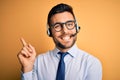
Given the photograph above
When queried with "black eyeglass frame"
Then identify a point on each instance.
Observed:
(61, 25)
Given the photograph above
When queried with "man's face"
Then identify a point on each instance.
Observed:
(63, 39)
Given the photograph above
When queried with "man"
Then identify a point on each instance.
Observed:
(66, 61)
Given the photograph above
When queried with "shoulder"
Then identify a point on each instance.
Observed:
(88, 58)
(43, 55)
(93, 62)
(42, 58)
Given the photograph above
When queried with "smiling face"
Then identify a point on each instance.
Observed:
(63, 39)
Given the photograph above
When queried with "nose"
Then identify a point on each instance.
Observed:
(65, 30)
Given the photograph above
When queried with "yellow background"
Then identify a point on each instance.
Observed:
(99, 34)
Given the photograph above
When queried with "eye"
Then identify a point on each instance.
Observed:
(56, 26)
(70, 24)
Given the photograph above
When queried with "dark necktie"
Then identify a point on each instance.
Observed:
(61, 67)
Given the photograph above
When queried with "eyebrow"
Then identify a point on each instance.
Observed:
(62, 22)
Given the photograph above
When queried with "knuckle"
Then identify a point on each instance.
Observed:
(22, 51)
(24, 48)
(33, 47)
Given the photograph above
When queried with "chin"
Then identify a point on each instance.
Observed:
(65, 46)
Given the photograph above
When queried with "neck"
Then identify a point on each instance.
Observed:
(63, 49)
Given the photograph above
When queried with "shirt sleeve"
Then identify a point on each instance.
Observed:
(26, 76)
(29, 75)
(94, 70)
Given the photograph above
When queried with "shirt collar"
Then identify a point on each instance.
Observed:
(72, 51)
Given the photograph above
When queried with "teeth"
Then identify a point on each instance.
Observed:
(66, 38)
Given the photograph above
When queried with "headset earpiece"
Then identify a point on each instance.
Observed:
(49, 32)
(77, 27)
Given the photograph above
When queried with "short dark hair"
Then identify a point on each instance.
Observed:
(59, 9)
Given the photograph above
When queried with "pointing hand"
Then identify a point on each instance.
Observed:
(27, 56)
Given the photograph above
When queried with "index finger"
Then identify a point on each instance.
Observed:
(23, 42)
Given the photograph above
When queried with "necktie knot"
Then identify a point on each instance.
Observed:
(62, 54)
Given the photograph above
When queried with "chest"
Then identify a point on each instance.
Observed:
(74, 69)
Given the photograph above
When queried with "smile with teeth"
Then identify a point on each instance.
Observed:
(66, 38)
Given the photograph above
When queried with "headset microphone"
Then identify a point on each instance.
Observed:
(76, 32)
(73, 35)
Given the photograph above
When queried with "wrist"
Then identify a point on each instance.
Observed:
(26, 69)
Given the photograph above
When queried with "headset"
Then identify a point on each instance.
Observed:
(49, 33)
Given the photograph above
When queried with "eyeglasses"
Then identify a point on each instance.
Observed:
(59, 26)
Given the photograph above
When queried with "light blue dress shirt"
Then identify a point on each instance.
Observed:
(79, 65)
